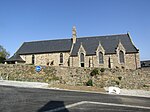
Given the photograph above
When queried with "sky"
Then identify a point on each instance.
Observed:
(34, 20)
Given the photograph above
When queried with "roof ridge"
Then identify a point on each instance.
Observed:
(78, 37)
(104, 35)
(47, 40)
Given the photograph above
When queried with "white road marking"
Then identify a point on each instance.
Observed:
(98, 103)
(119, 105)
(68, 106)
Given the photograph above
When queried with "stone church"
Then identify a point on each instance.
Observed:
(111, 51)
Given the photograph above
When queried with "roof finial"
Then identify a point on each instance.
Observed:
(119, 41)
(99, 43)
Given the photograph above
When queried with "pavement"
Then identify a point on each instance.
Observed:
(24, 84)
(140, 93)
(22, 99)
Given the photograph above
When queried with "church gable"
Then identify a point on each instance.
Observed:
(100, 48)
(109, 43)
(81, 49)
(120, 47)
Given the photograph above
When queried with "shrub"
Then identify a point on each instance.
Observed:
(94, 72)
(89, 83)
(145, 85)
(2, 59)
(117, 82)
(102, 70)
(120, 78)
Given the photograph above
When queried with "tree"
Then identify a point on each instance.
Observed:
(3, 54)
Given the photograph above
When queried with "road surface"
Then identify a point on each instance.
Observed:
(17, 99)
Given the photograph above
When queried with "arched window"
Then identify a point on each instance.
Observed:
(82, 59)
(121, 56)
(101, 60)
(61, 57)
(33, 59)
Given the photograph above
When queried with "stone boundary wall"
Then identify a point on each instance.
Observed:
(129, 79)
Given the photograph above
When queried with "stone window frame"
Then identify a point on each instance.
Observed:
(82, 58)
(121, 57)
(82, 62)
(101, 59)
(100, 49)
(120, 48)
(81, 50)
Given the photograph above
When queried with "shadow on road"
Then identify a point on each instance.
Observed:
(59, 105)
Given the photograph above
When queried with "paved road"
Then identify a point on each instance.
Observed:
(15, 99)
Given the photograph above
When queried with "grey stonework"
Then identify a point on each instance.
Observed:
(124, 78)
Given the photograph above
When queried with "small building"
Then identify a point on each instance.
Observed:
(111, 51)
(15, 59)
(145, 63)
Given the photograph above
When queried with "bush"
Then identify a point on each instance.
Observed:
(94, 72)
(2, 60)
(117, 82)
(145, 85)
(102, 70)
(89, 83)
(120, 78)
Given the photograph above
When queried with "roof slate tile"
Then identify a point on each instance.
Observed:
(90, 44)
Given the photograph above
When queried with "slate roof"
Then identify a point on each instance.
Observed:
(15, 57)
(109, 43)
(90, 44)
(49, 46)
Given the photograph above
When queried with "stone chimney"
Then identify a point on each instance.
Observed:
(74, 35)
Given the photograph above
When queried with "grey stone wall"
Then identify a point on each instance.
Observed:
(132, 61)
(47, 58)
(130, 79)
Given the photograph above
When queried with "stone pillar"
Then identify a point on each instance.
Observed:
(74, 34)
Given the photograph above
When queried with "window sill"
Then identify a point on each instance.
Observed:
(101, 63)
(121, 63)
